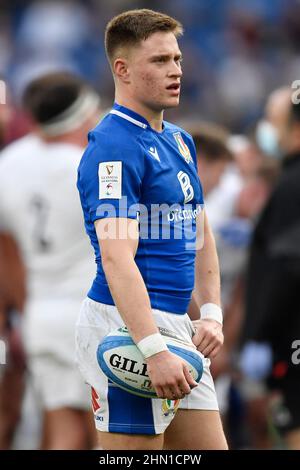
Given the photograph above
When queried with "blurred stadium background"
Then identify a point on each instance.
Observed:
(235, 52)
(235, 55)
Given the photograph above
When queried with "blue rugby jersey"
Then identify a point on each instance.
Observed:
(130, 170)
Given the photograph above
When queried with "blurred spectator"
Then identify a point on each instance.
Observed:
(233, 245)
(213, 154)
(13, 121)
(39, 208)
(233, 227)
(213, 157)
(246, 155)
(12, 299)
(13, 124)
(272, 302)
(256, 191)
(270, 128)
(235, 52)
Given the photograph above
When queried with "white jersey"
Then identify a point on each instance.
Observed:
(39, 205)
(220, 202)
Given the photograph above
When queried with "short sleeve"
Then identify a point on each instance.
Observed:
(110, 177)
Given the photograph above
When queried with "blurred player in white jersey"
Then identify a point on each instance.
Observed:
(39, 207)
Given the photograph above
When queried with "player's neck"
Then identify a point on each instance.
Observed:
(155, 118)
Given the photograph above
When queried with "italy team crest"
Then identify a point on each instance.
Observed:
(182, 147)
(170, 406)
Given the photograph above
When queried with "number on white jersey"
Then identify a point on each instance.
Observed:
(40, 208)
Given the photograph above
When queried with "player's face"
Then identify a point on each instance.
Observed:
(155, 72)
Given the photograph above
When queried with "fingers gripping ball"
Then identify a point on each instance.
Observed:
(122, 362)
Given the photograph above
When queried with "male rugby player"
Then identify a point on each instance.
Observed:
(134, 163)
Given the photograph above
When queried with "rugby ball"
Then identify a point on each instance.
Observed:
(123, 363)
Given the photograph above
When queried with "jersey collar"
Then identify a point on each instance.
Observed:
(130, 115)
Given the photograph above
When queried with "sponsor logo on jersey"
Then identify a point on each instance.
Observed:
(169, 406)
(110, 180)
(109, 189)
(177, 215)
(182, 147)
(154, 153)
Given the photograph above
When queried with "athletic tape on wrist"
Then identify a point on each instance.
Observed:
(211, 311)
(151, 345)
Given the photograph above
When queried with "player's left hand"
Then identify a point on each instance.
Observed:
(208, 337)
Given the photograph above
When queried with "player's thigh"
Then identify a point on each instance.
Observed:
(292, 439)
(195, 429)
(118, 441)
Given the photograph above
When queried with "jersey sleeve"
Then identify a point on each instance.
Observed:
(110, 177)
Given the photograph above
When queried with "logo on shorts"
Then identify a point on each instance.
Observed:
(123, 329)
(95, 400)
(169, 406)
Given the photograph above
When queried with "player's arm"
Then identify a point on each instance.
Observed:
(168, 373)
(123, 276)
(206, 295)
(12, 273)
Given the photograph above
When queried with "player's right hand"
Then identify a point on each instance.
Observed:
(169, 376)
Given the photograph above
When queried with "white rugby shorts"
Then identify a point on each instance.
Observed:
(116, 410)
(48, 333)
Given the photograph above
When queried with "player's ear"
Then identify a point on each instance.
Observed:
(121, 69)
